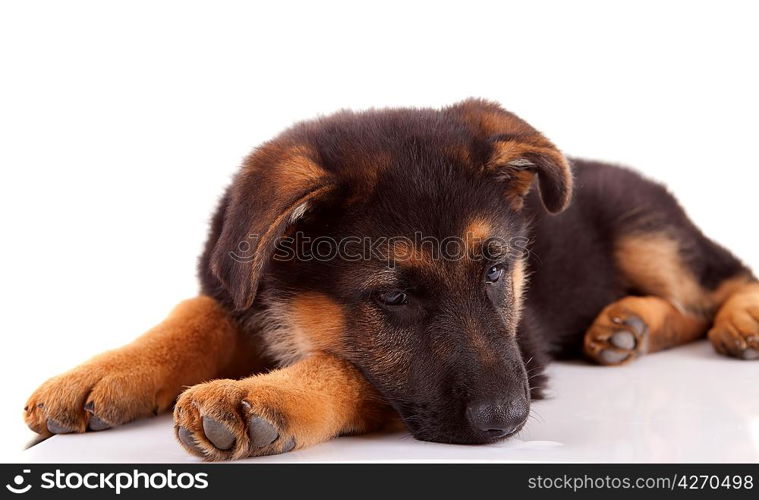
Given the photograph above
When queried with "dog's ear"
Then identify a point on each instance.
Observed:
(517, 163)
(276, 186)
(516, 153)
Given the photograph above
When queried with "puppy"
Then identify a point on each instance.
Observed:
(371, 265)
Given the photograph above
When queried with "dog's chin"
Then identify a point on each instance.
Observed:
(456, 434)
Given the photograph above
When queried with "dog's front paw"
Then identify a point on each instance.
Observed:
(230, 419)
(736, 330)
(94, 396)
(617, 336)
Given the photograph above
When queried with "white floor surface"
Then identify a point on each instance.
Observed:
(684, 405)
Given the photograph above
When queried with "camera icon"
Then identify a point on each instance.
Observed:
(18, 481)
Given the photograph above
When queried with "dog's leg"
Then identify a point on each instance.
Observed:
(634, 326)
(311, 401)
(197, 342)
(685, 280)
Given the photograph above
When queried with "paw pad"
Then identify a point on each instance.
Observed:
(218, 434)
(261, 432)
(218, 421)
(617, 340)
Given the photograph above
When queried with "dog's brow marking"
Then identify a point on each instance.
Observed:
(477, 231)
(476, 237)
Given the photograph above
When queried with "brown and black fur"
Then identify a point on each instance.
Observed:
(607, 266)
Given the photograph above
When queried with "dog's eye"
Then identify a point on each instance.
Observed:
(494, 274)
(393, 298)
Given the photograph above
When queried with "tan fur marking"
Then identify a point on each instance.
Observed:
(298, 169)
(319, 320)
(476, 234)
(668, 327)
(518, 282)
(294, 329)
(478, 230)
(652, 264)
(198, 341)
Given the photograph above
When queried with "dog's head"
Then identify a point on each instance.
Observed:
(396, 239)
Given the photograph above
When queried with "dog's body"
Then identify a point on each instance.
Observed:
(453, 343)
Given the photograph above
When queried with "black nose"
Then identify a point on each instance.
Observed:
(498, 418)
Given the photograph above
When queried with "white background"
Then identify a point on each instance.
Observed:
(120, 124)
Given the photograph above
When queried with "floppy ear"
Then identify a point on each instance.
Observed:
(518, 163)
(517, 153)
(275, 187)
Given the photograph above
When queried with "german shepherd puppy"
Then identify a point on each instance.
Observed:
(307, 328)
